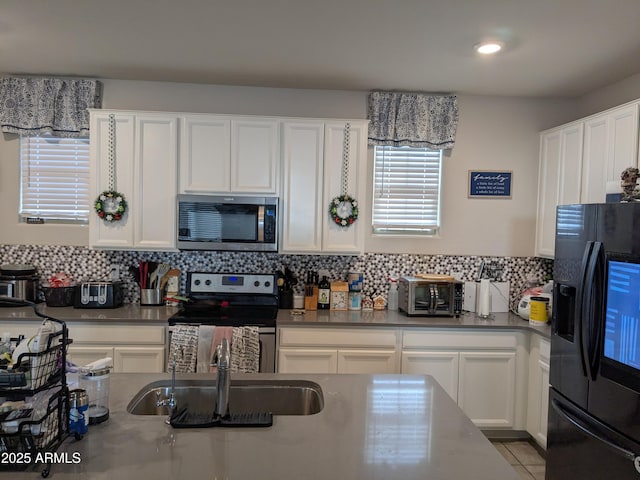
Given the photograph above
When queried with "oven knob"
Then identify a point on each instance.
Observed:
(267, 284)
(256, 283)
(207, 283)
(196, 282)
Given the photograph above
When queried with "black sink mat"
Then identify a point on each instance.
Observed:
(186, 419)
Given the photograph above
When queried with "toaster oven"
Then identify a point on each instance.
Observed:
(430, 298)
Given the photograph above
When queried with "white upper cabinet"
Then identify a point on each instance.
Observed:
(578, 161)
(558, 181)
(224, 154)
(312, 176)
(205, 146)
(254, 155)
(145, 173)
(337, 239)
(610, 146)
(302, 174)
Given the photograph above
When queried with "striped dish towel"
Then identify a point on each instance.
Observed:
(184, 346)
(245, 350)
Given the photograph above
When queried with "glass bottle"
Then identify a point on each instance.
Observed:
(324, 293)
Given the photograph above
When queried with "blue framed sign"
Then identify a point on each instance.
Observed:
(490, 184)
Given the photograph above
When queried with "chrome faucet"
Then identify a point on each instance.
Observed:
(222, 360)
(171, 401)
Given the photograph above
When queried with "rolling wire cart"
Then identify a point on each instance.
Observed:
(30, 436)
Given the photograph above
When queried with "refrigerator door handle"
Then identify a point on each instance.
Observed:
(581, 306)
(591, 429)
(589, 319)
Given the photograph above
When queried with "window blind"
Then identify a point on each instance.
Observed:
(55, 178)
(406, 190)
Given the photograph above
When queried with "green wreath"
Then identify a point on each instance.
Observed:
(343, 210)
(110, 206)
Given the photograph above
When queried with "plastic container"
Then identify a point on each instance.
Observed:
(538, 310)
(96, 384)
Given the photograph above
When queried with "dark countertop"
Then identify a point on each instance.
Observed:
(286, 318)
(371, 426)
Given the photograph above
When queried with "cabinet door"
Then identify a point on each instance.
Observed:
(205, 154)
(623, 144)
(594, 169)
(570, 164)
(307, 360)
(335, 238)
(139, 359)
(84, 355)
(548, 176)
(441, 365)
(486, 388)
(254, 156)
(559, 180)
(367, 361)
(112, 234)
(154, 205)
(541, 433)
(302, 207)
(610, 146)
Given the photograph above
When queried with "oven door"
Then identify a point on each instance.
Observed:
(435, 299)
(267, 338)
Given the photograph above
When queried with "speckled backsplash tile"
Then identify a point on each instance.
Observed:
(85, 264)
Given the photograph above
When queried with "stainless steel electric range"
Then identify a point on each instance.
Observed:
(233, 299)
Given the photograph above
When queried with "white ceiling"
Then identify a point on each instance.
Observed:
(554, 47)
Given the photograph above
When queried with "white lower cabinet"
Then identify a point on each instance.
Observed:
(134, 348)
(538, 398)
(307, 360)
(484, 372)
(335, 350)
(130, 359)
(441, 365)
(487, 387)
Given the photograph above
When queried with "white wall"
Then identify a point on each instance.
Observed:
(610, 96)
(494, 133)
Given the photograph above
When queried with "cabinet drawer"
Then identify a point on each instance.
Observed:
(338, 337)
(475, 339)
(117, 334)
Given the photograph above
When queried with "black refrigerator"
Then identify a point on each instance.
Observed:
(594, 396)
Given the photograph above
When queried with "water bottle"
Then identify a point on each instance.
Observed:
(392, 297)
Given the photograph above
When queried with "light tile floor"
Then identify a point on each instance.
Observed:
(523, 457)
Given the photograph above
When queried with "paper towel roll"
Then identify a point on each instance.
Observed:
(484, 299)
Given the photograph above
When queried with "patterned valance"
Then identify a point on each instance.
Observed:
(412, 119)
(33, 106)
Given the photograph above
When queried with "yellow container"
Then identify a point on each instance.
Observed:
(539, 310)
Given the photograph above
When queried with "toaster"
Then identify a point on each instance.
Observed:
(98, 294)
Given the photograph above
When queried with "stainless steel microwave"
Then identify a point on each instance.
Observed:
(227, 222)
(430, 298)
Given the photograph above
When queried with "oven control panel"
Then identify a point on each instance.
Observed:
(253, 283)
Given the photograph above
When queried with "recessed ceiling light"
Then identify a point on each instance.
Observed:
(487, 48)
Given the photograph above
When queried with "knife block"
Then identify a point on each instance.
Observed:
(311, 298)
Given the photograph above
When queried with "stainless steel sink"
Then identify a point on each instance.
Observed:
(279, 397)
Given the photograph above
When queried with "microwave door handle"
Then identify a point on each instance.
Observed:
(260, 224)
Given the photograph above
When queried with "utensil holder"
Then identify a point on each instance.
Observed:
(151, 296)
